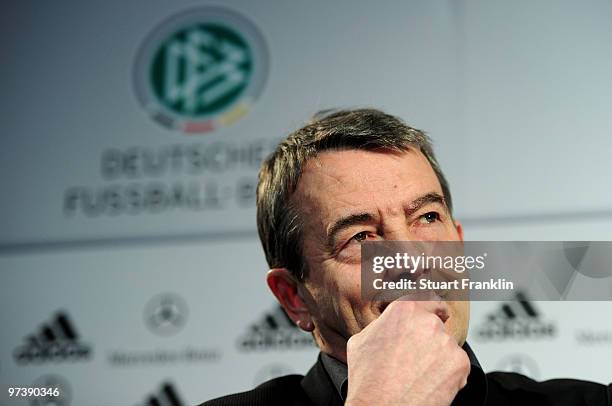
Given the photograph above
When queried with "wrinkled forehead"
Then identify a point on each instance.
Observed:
(339, 180)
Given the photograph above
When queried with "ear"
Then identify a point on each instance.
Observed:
(285, 287)
(459, 229)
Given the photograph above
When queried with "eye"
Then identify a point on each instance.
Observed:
(360, 237)
(430, 217)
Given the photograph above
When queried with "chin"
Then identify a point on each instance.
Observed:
(460, 321)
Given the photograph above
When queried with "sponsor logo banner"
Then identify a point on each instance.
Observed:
(515, 320)
(54, 341)
(166, 395)
(274, 331)
(64, 391)
(165, 315)
(521, 364)
(201, 69)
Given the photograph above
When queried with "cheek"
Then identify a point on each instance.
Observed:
(353, 309)
(461, 317)
(436, 231)
(342, 290)
(328, 295)
(347, 283)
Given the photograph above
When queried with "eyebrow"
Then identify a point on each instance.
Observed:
(362, 218)
(346, 222)
(429, 198)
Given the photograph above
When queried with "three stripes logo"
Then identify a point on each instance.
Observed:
(55, 341)
(275, 330)
(165, 396)
(518, 319)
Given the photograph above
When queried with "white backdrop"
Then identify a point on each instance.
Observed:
(516, 96)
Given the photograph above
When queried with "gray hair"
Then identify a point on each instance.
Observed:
(278, 219)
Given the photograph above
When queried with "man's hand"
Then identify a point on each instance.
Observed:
(405, 357)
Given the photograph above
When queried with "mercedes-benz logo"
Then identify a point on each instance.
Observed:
(64, 392)
(166, 314)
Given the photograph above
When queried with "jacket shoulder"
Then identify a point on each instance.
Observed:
(513, 387)
(285, 390)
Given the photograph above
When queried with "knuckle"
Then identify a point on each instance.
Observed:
(466, 362)
(463, 361)
(352, 343)
(402, 306)
(408, 305)
(432, 322)
(449, 341)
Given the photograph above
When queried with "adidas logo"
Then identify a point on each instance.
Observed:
(275, 330)
(165, 396)
(55, 341)
(518, 319)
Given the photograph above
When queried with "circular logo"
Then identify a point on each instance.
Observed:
(64, 393)
(201, 69)
(521, 364)
(165, 314)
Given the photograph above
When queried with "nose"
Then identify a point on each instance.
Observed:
(409, 260)
(398, 230)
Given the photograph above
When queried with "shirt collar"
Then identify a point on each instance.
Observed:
(338, 372)
(474, 393)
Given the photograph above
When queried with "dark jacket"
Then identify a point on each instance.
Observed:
(496, 388)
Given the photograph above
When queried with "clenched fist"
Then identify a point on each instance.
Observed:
(405, 357)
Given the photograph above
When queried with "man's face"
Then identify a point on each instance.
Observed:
(350, 196)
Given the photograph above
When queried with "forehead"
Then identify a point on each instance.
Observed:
(337, 181)
(361, 170)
